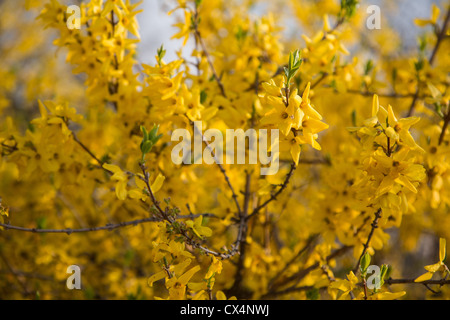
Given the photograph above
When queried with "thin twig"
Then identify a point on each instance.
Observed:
(224, 173)
(293, 259)
(444, 127)
(298, 276)
(366, 245)
(412, 281)
(85, 148)
(200, 41)
(276, 194)
(382, 95)
(239, 244)
(69, 231)
(16, 274)
(108, 227)
(440, 38)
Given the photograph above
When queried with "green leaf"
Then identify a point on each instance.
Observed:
(294, 64)
(384, 271)
(41, 223)
(419, 65)
(368, 67)
(365, 262)
(348, 8)
(153, 132)
(313, 294)
(145, 133)
(203, 96)
(354, 118)
(241, 34)
(146, 147)
(394, 75)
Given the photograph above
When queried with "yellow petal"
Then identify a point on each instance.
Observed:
(390, 295)
(442, 249)
(135, 194)
(208, 113)
(205, 231)
(371, 122)
(421, 22)
(434, 13)
(121, 190)
(326, 23)
(179, 268)
(271, 88)
(404, 181)
(385, 186)
(220, 295)
(433, 267)
(111, 167)
(305, 96)
(390, 132)
(139, 182)
(157, 276)
(295, 152)
(375, 105)
(435, 93)
(391, 116)
(157, 184)
(188, 275)
(424, 277)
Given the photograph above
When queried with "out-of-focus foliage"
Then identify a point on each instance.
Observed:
(85, 142)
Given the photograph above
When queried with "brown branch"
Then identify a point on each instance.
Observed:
(382, 95)
(412, 281)
(440, 38)
(240, 244)
(285, 291)
(108, 227)
(16, 275)
(290, 262)
(299, 275)
(69, 231)
(366, 245)
(113, 88)
(340, 21)
(413, 102)
(199, 40)
(444, 128)
(224, 173)
(276, 194)
(315, 84)
(85, 148)
(170, 219)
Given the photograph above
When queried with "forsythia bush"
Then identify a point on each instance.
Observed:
(87, 176)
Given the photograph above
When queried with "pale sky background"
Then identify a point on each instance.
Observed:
(156, 26)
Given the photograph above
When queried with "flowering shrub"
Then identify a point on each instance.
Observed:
(87, 176)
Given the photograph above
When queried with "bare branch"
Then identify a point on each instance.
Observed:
(276, 194)
(366, 245)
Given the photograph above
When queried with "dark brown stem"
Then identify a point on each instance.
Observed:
(237, 288)
(85, 148)
(444, 128)
(366, 245)
(69, 231)
(276, 194)
(440, 38)
(199, 40)
(298, 276)
(293, 259)
(412, 281)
